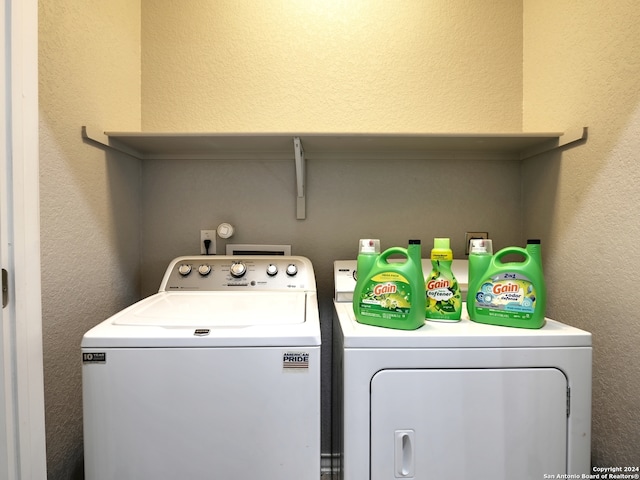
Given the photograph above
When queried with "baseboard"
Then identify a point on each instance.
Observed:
(327, 465)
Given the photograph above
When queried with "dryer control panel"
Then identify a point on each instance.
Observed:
(224, 273)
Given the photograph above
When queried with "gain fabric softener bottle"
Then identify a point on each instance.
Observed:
(512, 294)
(443, 298)
(391, 295)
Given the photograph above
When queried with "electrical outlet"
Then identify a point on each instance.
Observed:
(468, 236)
(208, 235)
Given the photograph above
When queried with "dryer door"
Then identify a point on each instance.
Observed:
(468, 423)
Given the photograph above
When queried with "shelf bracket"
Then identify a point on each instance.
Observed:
(97, 136)
(298, 152)
(570, 136)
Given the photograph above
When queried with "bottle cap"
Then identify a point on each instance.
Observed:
(442, 243)
(369, 245)
(480, 245)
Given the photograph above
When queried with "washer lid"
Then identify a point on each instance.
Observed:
(216, 309)
(212, 319)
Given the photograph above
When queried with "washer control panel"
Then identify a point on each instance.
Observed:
(223, 273)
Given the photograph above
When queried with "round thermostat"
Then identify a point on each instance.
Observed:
(225, 230)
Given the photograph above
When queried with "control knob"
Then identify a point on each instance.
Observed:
(204, 270)
(184, 269)
(272, 270)
(238, 269)
(292, 270)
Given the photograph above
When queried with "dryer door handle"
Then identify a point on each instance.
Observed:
(404, 453)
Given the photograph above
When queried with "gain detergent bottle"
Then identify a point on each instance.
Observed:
(443, 298)
(391, 294)
(511, 294)
(480, 255)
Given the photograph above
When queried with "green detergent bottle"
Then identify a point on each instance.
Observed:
(443, 297)
(391, 294)
(512, 294)
(480, 255)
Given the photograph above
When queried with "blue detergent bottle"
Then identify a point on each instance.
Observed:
(511, 294)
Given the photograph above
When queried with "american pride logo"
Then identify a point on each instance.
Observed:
(295, 360)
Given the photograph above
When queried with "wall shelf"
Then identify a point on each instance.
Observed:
(318, 146)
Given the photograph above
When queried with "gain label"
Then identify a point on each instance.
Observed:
(443, 294)
(512, 294)
(387, 295)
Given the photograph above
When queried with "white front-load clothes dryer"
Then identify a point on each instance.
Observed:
(216, 376)
(459, 401)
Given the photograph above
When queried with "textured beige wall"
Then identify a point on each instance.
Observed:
(359, 65)
(582, 67)
(89, 60)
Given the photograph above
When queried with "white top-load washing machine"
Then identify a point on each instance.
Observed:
(216, 376)
(458, 400)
